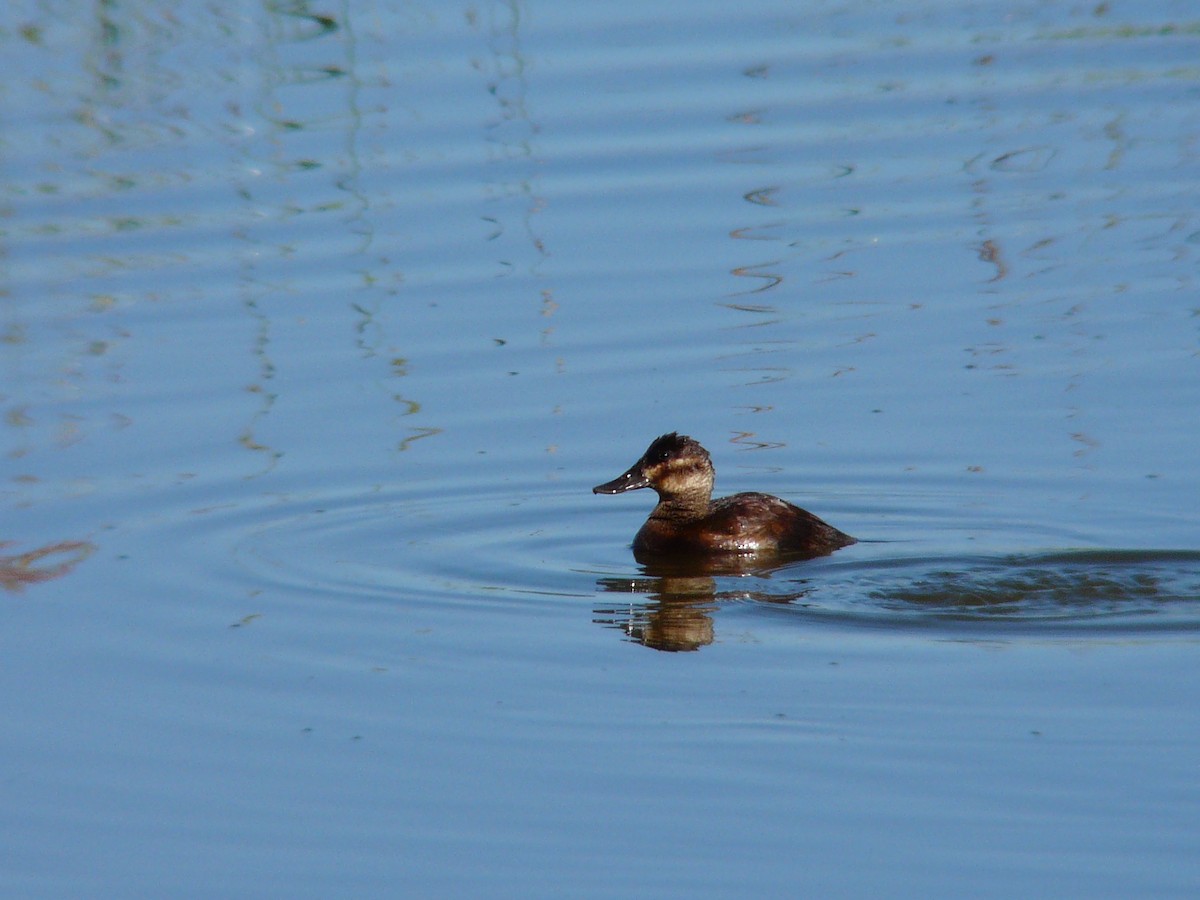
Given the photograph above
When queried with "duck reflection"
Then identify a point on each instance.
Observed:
(675, 599)
(673, 614)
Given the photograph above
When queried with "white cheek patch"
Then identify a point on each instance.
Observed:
(680, 475)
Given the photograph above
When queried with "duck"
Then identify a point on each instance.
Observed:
(688, 523)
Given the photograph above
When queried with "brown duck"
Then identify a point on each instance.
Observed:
(687, 522)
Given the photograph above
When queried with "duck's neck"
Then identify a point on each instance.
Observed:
(684, 506)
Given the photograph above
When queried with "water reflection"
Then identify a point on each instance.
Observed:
(43, 564)
(1122, 590)
(669, 621)
(682, 594)
(1071, 586)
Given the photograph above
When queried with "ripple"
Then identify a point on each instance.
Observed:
(1041, 594)
(1109, 589)
(522, 544)
(498, 547)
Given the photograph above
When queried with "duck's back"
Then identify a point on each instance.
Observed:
(743, 523)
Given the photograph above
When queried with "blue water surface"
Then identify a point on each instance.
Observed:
(319, 323)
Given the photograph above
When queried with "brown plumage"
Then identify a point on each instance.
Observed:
(688, 522)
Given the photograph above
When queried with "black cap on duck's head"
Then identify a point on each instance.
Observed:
(672, 464)
(673, 444)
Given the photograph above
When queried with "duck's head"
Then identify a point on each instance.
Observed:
(674, 465)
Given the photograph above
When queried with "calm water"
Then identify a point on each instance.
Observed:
(319, 323)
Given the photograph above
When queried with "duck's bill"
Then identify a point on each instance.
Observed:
(630, 481)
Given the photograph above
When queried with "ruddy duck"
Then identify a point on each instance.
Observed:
(688, 522)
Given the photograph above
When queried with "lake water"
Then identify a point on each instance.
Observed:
(320, 322)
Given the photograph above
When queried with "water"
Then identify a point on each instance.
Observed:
(320, 323)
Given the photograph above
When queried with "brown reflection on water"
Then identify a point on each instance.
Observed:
(671, 620)
(676, 600)
(43, 564)
(672, 608)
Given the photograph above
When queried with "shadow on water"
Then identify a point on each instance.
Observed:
(1048, 593)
